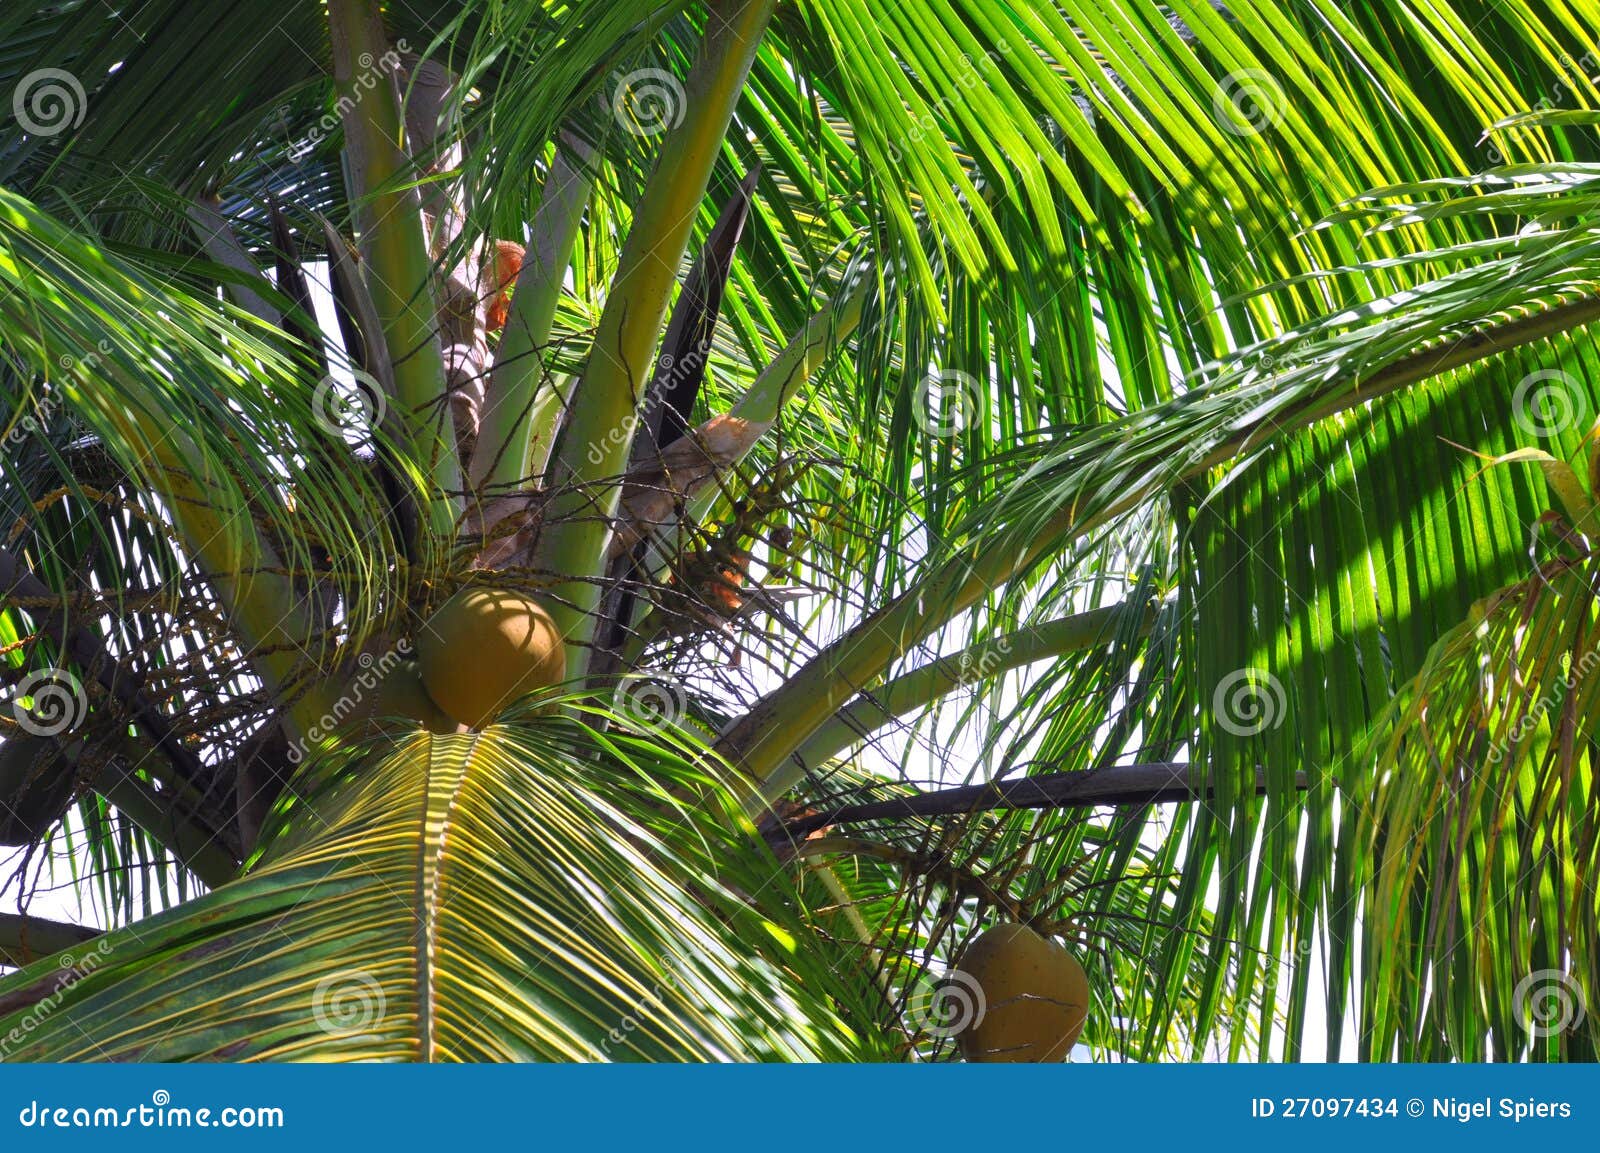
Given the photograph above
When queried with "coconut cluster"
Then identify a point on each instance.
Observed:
(1035, 997)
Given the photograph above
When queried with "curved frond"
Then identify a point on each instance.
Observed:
(496, 896)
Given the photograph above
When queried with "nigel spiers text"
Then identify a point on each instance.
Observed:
(1467, 1109)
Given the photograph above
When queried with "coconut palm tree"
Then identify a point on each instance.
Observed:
(1125, 469)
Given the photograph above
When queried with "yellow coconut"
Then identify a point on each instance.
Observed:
(1035, 997)
(35, 788)
(484, 648)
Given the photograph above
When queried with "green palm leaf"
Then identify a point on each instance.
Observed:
(1236, 301)
(494, 897)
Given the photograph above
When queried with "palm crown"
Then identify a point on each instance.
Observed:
(1170, 423)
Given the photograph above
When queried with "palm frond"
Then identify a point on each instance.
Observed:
(498, 896)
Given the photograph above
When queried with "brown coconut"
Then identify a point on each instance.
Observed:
(483, 648)
(1035, 997)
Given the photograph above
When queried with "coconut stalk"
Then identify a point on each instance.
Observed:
(221, 244)
(193, 845)
(462, 288)
(599, 436)
(683, 475)
(518, 412)
(921, 687)
(677, 487)
(270, 616)
(262, 604)
(395, 244)
(670, 400)
(1162, 783)
(24, 939)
